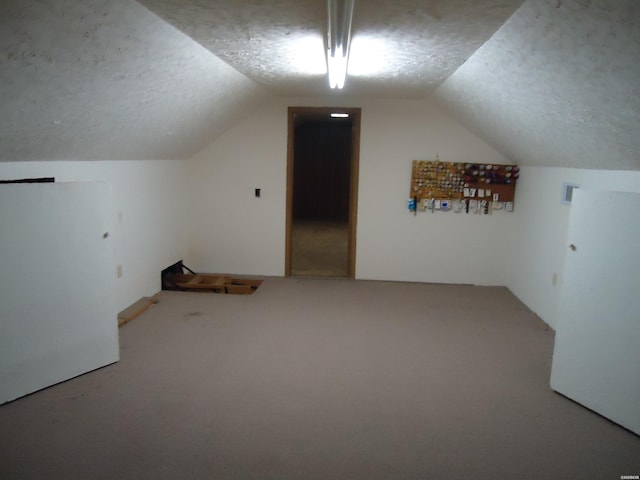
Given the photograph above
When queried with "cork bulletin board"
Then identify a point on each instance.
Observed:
(437, 185)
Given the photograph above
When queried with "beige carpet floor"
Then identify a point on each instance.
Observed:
(319, 249)
(319, 379)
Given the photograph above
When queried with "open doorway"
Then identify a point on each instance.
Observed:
(322, 183)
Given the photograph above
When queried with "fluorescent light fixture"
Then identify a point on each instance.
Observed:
(339, 115)
(340, 14)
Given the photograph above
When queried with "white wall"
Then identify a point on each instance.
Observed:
(204, 211)
(149, 226)
(537, 246)
(234, 232)
(393, 244)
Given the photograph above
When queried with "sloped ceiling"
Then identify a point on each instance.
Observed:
(557, 85)
(546, 82)
(400, 48)
(109, 80)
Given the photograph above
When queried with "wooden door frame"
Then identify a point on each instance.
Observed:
(355, 114)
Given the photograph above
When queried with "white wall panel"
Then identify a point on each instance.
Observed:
(149, 215)
(57, 309)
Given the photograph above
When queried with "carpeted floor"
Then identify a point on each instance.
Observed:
(319, 379)
(319, 249)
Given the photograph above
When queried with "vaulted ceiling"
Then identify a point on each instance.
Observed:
(557, 85)
(546, 82)
(414, 44)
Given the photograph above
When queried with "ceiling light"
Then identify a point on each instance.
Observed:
(339, 115)
(339, 16)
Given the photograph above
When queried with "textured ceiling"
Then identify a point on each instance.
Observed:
(108, 80)
(558, 85)
(415, 44)
(546, 82)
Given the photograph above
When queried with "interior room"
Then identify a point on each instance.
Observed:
(445, 344)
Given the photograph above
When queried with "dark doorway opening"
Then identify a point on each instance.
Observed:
(322, 191)
(322, 154)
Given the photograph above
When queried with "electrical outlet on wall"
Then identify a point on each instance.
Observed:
(554, 279)
(119, 271)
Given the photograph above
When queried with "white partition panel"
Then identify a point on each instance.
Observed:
(596, 359)
(57, 311)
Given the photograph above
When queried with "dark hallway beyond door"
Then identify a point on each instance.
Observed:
(320, 209)
(321, 176)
